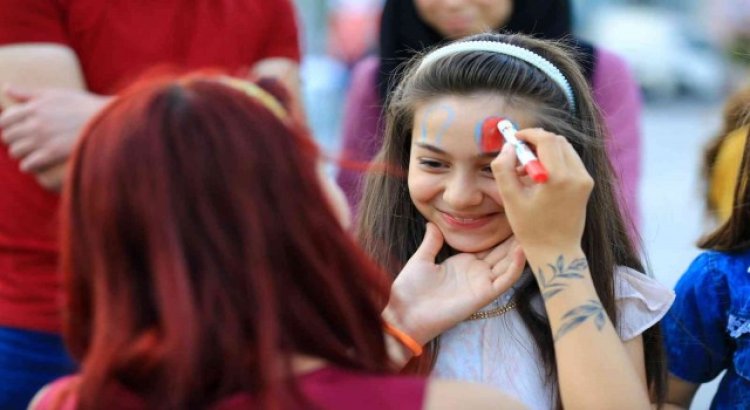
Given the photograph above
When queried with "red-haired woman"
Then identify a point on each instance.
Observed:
(207, 265)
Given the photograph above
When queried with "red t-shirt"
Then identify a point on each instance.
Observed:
(116, 42)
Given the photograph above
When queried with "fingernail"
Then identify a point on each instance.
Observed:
(508, 150)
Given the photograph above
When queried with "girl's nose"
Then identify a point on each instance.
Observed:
(462, 192)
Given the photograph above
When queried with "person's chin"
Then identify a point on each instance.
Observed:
(469, 245)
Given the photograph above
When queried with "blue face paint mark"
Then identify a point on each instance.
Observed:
(451, 116)
(478, 133)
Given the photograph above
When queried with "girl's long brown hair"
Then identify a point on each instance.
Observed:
(200, 254)
(390, 228)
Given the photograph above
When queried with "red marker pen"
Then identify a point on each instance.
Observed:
(526, 157)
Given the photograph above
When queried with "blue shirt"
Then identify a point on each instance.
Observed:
(707, 330)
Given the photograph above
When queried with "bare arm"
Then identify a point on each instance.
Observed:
(45, 108)
(594, 368)
(634, 348)
(286, 71)
(39, 66)
(680, 393)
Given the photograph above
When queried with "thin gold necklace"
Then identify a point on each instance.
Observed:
(498, 311)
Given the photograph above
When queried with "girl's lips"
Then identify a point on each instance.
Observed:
(467, 223)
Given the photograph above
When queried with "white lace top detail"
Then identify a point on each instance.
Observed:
(499, 351)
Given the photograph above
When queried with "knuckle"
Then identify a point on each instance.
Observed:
(590, 182)
(544, 136)
(496, 165)
(32, 109)
(17, 151)
(32, 124)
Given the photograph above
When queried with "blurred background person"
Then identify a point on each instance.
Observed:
(708, 328)
(705, 329)
(59, 63)
(723, 157)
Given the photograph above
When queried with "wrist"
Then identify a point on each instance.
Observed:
(412, 346)
(399, 319)
(541, 255)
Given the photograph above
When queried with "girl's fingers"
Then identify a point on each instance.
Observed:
(576, 167)
(547, 146)
(572, 158)
(504, 171)
(499, 252)
(431, 244)
(13, 116)
(18, 93)
(21, 148)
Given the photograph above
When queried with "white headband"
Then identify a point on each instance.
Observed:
(508, 49)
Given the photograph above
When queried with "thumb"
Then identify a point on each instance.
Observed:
(504, 171)
(431, 244)
(18, 93)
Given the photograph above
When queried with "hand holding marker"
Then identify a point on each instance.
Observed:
(495, 127)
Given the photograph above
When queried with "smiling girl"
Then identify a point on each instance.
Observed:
(584, 287)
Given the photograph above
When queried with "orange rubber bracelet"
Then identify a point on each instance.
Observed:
(406, 340)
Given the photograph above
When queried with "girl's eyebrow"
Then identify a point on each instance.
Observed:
(443, 152)
(430, 148)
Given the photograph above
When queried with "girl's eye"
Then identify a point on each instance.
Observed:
(431, 164)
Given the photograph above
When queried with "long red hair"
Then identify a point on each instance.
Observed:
(200, 252)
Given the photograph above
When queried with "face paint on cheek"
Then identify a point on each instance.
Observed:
(446, 122)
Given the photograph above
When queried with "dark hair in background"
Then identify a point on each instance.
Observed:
(200, 253)
(390, 227)
(403, 34)
(734, 234)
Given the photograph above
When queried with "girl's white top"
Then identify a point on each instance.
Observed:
(500, 352)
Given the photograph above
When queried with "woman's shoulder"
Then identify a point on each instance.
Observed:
(364, 73)
(334, 387)
(717, 278)
(612, 74)
(716, 265)
(609, 62)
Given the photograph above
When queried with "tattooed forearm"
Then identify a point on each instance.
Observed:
(554, 285)
(592, 309)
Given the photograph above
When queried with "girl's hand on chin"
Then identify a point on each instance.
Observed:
(551, 215)
(427, 298)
